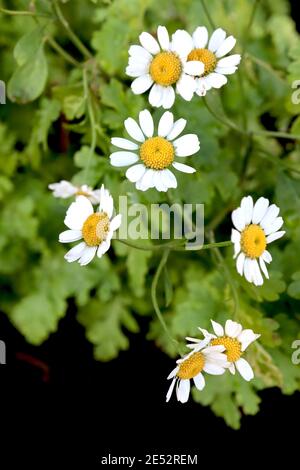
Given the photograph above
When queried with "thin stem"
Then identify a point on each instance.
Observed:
(73, 37)
(265, 66)
(68, 58)
(220, 258)
(157, 310)
(277, 135)
(92, 123)
(223, 120)
(206, 11)
(248, 28)
(162, 246)
(23, 13)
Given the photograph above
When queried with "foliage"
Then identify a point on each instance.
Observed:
(56, 89)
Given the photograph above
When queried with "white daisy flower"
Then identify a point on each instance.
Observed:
(212, 54)
(95, 228)
(209, 359)
(235, 341)
(256, 225)
(151, 156)
(161, 65)
(65, 189)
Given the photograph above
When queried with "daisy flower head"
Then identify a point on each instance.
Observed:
(160, 65)
(211, 53)
(150, 155)
(95, 229)
(203, 358)
(235, 341)
(64, 189)
(256, 225)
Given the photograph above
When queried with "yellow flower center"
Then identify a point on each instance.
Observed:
(191, 366)
(95, 228)
(82, 193)
(157, 153)
(253, 241)
(165, 68)
(232, 347)
(206, 57)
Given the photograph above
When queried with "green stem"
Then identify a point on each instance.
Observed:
(68, 58)
(157, 310)
(265, 66)
(23, 13)
(92, 123)
(163, 246)
(220, 258)
(277, 135)
(223, 120)
(206, 11)
(73, 37)
(248, 28)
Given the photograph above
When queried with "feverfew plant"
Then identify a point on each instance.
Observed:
(91, 125)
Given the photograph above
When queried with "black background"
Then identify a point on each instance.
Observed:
(75, 410)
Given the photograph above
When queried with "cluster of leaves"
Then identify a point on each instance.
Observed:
(66, 102)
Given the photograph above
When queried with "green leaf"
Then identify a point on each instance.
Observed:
(29, 80)
(28, 46)
(137, 267)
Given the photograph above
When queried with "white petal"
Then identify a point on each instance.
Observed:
(135, 172)
(186, 87)
(270, 216)
(63, 189)
(75, 253)
(178, 127)
(182, 43)
(168, 97)
(106, 202)
(156, 95)
(173, 373)
(183, 168)
(186, 145)
(138, 71)
(215, 351)
(260, 209)
(217, 38)
(266, 256)
(183, 391)
(103, 248)
(134, 130)
(230, 61)
(226, 46)
(139, 51)
(232, 368)
(199, 381)
(70, 236)
(275, 236)
(158, 182)
(123, 158)
(273, 226)
(165, 124)
(257, 276)
(247, 337)
(78, 212)
(115, 222)
(149, 43)
(213, 369)
(247, 207)
(238, 219)
(225, 70)
(146, 123)
(163, 38)
(232, 328)
(216, 80)
(87, 255)
(147, 180)
(124, 143)
(171, 388)
(218, 329)
(248, 269)
(141, 84)
(235, 236)
(263, 267)
(244, 369)
(168, 179)
(240, 263)
(194, 67)
(200, 37)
